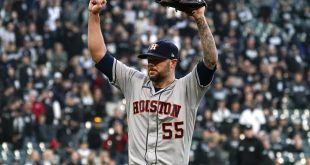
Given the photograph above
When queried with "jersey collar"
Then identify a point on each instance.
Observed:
(149, 84)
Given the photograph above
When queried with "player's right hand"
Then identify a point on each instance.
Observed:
(95, 6)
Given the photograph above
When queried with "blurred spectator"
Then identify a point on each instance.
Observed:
(276, 144)
(48, 158)
(58, 89)
(283, 125)
(221, 117)
(42, 131)
(39, 80)
(235, 111)
(24, 71)
(84, 152)
(98, 108)
(221, 113)
(105, 158)
(94, 135)
(75, 159)
(296, 144)
(52, 112)
(37, 107)
(207, 120)
(72, 39)
(271, 123)
(268, 154)
(85, 60)
(209, 151)
(58, 58)
(92, 159)
(87, 100)
(116, 143)
(34, 158)
(254, 117)
(219, 92)
(294, 61)
(28, 120)
(72, 109)
(250, 150)
(40, 51)
(277, 83)
(54, 12)
(296, 128)
(7, 33)
(78, 74)
(232, 144)
(299, 91)
(67, 133)
(11, 132)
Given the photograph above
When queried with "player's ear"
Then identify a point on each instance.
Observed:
(173, 62)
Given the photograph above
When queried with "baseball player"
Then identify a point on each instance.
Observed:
(161, 109)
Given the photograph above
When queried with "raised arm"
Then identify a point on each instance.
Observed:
(96, 43)
(208, 45)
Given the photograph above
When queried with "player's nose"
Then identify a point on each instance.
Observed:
(150, 64)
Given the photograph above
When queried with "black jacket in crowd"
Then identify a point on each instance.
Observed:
(250, 152)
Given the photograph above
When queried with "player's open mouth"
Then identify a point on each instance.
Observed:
(152, 70)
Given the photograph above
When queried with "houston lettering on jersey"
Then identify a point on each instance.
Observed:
(163, 108)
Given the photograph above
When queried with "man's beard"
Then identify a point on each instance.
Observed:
(157, 78)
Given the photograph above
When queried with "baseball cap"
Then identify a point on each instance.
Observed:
(248, 126)
(162, 49)
(97, 119)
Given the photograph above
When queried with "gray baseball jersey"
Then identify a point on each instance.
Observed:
(160, 123)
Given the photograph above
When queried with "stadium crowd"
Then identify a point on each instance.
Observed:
(56, 108)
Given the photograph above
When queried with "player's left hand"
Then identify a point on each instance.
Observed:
(199, 12)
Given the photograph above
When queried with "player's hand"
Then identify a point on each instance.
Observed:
(95, 6)
(200, 12)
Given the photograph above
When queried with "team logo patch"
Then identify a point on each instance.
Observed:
(153, 46)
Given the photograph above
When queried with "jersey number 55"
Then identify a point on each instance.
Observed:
(172, 130)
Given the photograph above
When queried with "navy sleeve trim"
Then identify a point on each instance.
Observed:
(105, 65)
(205, 74)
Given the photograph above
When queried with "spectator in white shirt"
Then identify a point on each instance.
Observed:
(253, 116)
(222, 112)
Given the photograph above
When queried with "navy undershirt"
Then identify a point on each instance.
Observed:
(105, 65)
(158, 89)
(204, 73)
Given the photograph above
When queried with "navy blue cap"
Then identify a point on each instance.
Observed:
(162, 49)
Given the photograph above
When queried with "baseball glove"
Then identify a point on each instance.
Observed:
(186, 6)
